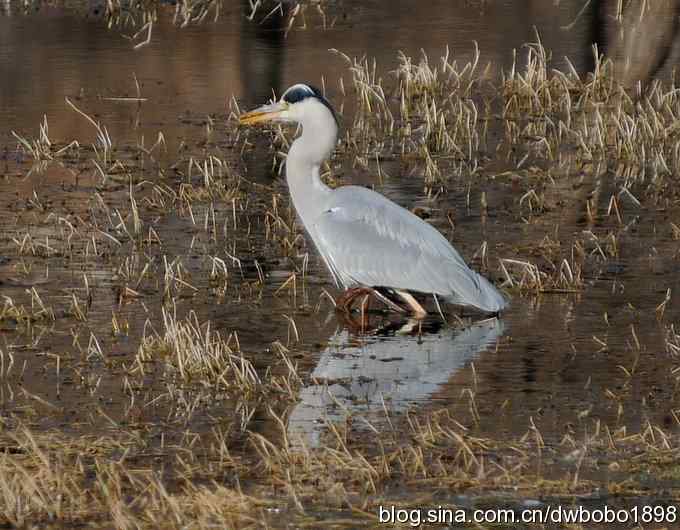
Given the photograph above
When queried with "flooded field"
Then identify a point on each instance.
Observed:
(170, 354)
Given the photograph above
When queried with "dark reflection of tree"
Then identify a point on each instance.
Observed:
(262, 45)
(598, 33)
(262, 49)
(639, 39)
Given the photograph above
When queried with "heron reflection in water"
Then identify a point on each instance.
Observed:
(355, 375)
(371, 245)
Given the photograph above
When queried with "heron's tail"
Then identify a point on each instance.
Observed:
(483, 296)
(492, 300)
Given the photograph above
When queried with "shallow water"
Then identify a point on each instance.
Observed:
(544, 363)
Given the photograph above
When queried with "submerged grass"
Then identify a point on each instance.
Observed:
(197, 354)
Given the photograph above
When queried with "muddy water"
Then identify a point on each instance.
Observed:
(559, 360)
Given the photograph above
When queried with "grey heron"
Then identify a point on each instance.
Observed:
(370, 244)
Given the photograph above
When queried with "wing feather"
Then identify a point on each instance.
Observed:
(367, 239)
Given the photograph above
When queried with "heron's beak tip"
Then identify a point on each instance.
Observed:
(262, 114)
(249, 118)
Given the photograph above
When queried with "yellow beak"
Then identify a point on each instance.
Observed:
(274, 111)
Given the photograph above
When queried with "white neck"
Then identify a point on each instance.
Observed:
(303, 163)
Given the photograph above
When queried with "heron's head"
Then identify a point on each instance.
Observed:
(301, 103)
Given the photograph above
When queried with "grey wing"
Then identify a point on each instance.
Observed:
(367, 239)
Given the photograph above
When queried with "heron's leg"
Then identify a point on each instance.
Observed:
(417, 309)
(409, 326)
(389, 303)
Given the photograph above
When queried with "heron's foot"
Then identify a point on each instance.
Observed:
(346, 300)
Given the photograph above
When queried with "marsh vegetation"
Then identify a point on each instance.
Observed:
(169, 351)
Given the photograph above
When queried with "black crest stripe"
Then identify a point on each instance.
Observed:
(301, 91)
